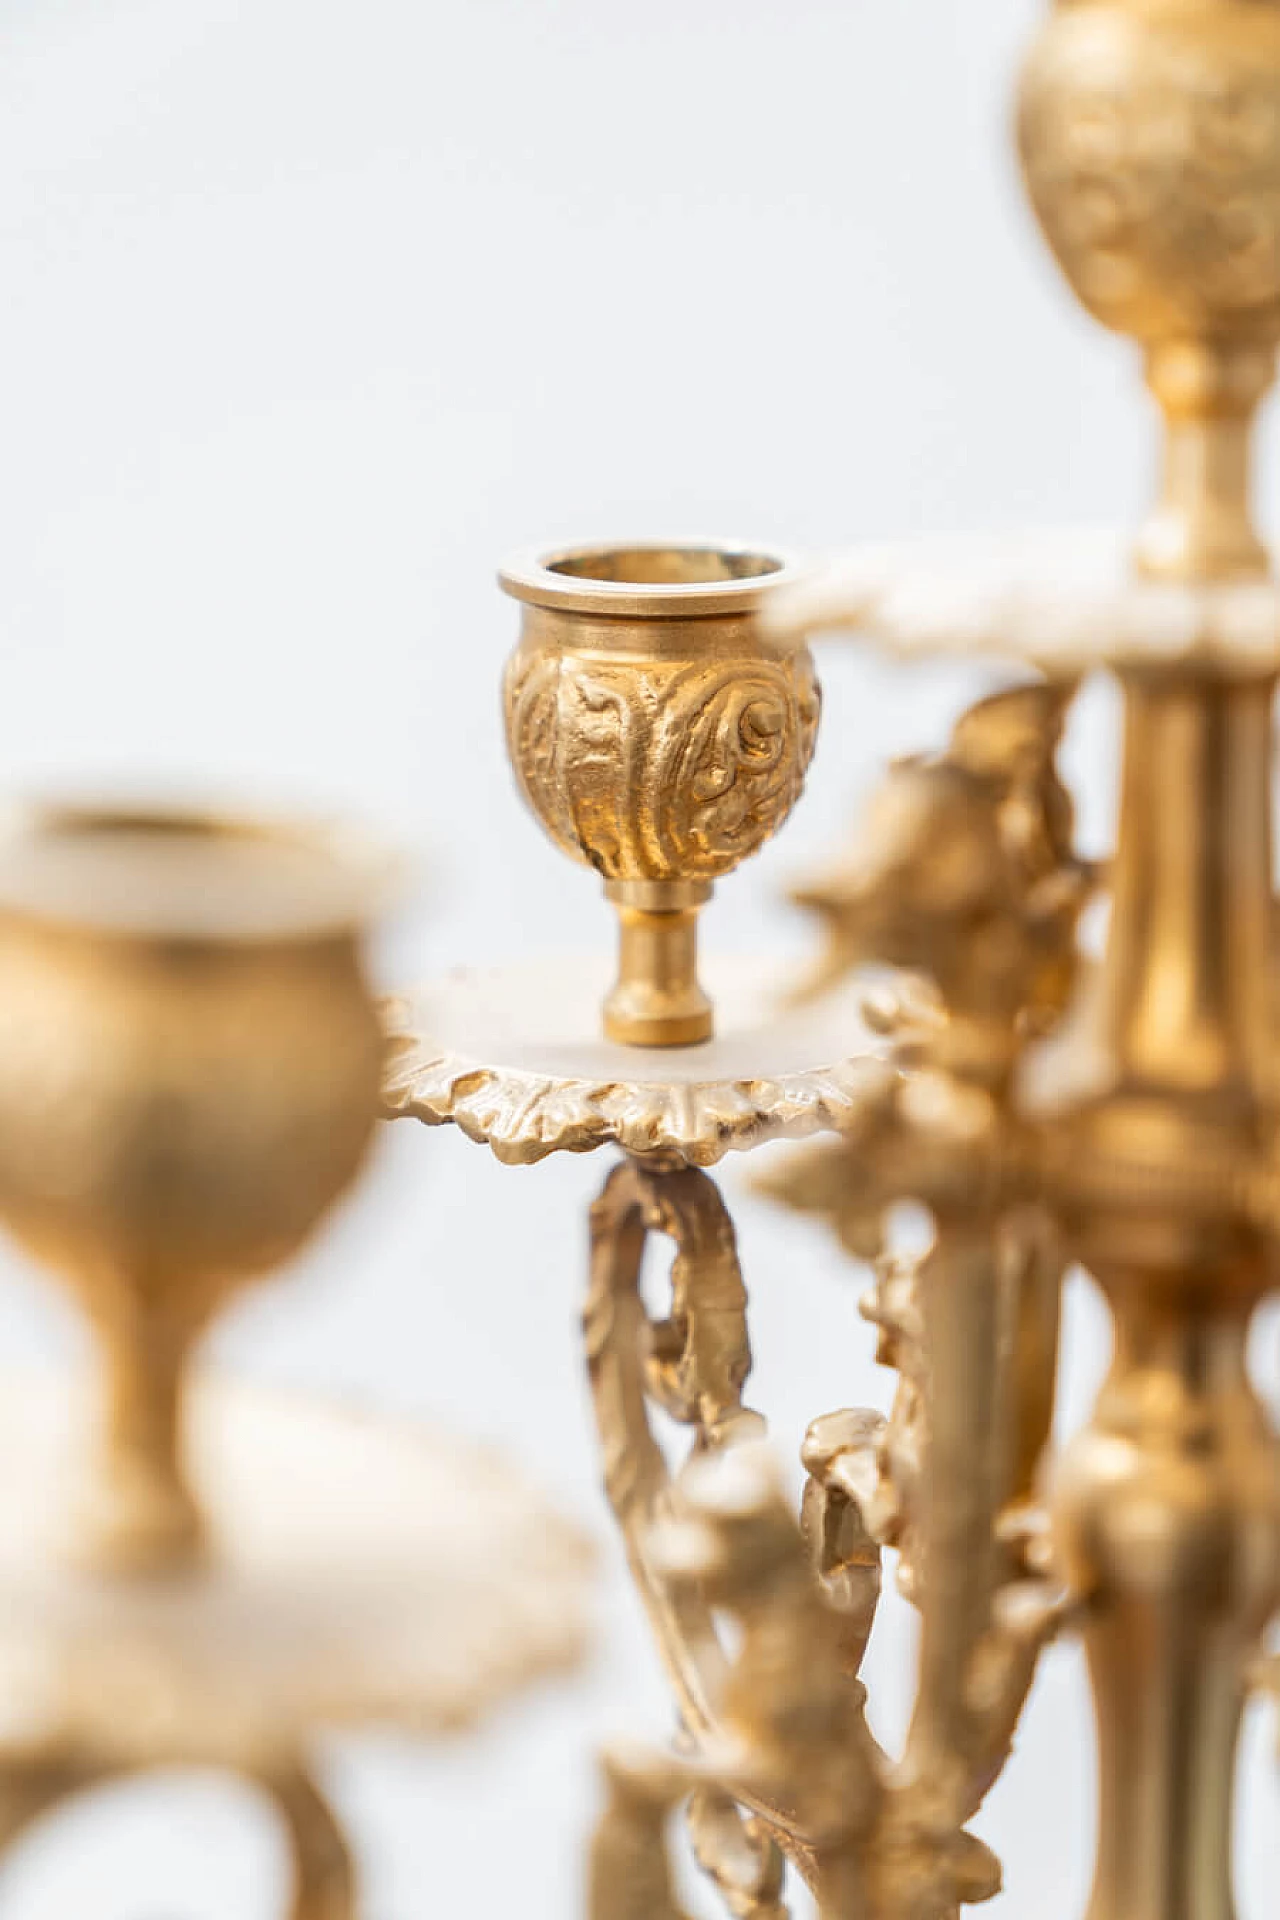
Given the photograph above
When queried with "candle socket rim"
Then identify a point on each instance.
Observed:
(353, 879)
(719, 577)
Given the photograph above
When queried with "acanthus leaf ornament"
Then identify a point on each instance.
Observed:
(724, 746)
(1039, 1111)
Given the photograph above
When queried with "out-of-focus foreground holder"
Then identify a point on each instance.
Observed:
(191, 1572)
(1045, 1110)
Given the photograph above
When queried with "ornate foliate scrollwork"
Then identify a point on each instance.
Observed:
(791, 1733)
(808, 1605)
(840, 1521)
(718, 748)
(966, 874)
(693, 1364)
(866, 1471)
(630, 1873)
(964, 871)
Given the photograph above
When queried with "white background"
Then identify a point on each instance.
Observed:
(311, 311)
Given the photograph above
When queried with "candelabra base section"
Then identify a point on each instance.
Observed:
(356, 1574)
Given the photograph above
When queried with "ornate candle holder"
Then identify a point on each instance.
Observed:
(193, 1573)
(971, 854)
(660, 737)
(1123, 1116)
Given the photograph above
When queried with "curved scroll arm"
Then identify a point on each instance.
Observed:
(794, 1730)
(324, 1886)
(841, 1522)
(780, 1728)
(324, 1878)
(984, 1303)
(1266, 1681)
(630, 1874)
(693, 1364)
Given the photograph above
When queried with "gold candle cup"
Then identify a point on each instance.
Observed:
(190, 1058)
(660, 737)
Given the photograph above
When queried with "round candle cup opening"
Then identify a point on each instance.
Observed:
(665, 566)
(181, 876)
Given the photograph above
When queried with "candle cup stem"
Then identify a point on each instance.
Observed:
(656, 1000)
(143, 1516)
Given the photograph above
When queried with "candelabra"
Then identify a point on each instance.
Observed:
(194, 1572)
(1045, 1109)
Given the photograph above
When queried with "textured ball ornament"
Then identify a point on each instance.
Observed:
(1150, 139)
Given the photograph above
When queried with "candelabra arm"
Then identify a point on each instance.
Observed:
(323, 1871)
(693, 1364)
(1034, 1261)
(37, 1784)
(629, 1874)
(33, 1785)
(975, 1669)
(965, 874)
(1266, 1681)
(792, 1731)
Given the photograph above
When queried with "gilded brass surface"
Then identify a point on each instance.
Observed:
(967, 867)
(1167, 1510)
(1151, 149)
(169, 1130)
(658, 735)
(510, 1056)
(349, 1579)
(322, 1873)
(1044, 1111)
(191, 1573)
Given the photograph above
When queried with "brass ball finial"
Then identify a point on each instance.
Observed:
(1150, 139)
(660, 737)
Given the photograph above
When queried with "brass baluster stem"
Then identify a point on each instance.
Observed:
(145, 1514)
(1168, 1505)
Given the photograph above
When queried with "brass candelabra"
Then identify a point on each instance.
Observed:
(1045, 1109)
(192, 1064)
